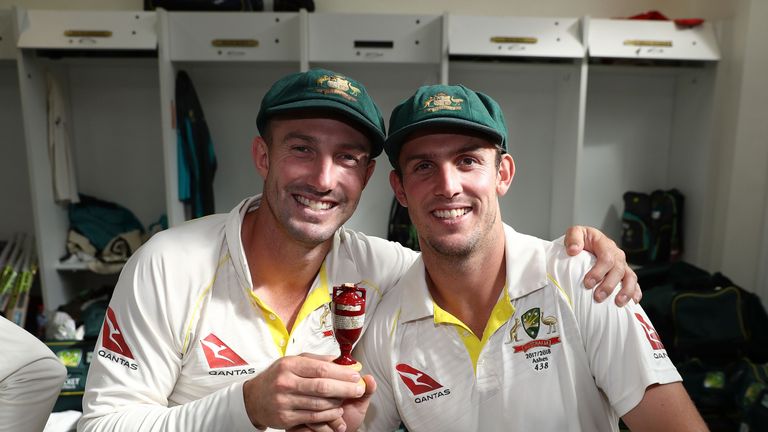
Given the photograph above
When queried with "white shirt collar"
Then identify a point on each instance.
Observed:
(526, 272)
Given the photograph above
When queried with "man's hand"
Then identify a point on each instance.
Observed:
(611, 266)
(354, 413)
(305, 389)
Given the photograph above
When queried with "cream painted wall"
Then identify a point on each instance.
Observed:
(747, 182)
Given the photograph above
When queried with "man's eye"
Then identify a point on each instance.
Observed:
(467, 161)
(421, 166)
(349, 159)
(300, 149)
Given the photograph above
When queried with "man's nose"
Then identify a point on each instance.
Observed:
(323, 175)
(448, 182)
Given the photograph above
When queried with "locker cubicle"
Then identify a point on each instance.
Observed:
(106, 65)
(232, 58)
(534, 68)
(392, 55)
(648, 122)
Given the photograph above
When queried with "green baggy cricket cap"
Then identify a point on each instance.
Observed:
(442, 105)
(324, 90)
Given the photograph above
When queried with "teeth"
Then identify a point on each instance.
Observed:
(449, 214)
(314, 205)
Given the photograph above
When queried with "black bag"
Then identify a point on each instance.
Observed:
(755, 418)
(636, 230)
(666, 225)
(710, 323)
(652, 226)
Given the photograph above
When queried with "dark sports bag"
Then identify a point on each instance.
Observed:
(652, 226)
(755, 418)
(636, 229)
(666, 225)
(709, 322)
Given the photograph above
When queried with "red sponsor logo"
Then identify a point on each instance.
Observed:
(417, 381)
(538, 343)
(650, 333)
(218, 354)
(112, 336)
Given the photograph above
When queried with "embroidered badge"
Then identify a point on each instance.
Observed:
(337, 85)
(443, 101)
(536, 351)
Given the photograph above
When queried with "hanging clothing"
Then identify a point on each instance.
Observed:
(59, 147)
(196, 156)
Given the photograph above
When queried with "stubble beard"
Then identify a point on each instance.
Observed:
(303, 231)
(458, 252)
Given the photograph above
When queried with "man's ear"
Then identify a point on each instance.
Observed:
(397, 188)
(260, 155)
(506, 173)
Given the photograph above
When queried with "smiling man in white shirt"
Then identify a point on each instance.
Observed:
(491, 329)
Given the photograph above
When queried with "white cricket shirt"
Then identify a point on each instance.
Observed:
(552, 359)
(184, 330)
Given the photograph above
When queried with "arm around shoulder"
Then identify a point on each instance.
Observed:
(665, 407)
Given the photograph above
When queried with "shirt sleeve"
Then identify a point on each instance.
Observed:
(138, 356)
(30, 379)
(374, 352)
(625, 353)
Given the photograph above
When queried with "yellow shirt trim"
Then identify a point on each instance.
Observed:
(501, 313)
(315, 299)
(567, 297)
(199, 301)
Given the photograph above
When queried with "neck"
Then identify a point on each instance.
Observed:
(469, 287)
(282, 270)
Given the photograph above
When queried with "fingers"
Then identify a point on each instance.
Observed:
(370, 385)
(329, 388)
(303, 401)
(629, 288)
(602, 269)
(301, 390)
(308, 367)
(574, 239)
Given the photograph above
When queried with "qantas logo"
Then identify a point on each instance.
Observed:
(112, 336)
(417, 381)
(112, 340)
(218, 354)
(650, 333)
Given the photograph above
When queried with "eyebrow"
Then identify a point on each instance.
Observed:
(299, 136)
(469, 148)
(362, 147)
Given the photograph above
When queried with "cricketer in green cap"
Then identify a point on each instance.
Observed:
(442, 105)
(324, 90)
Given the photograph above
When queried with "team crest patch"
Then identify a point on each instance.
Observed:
(537, 352)
(337, 85)
(532, 322)
(443, 101)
